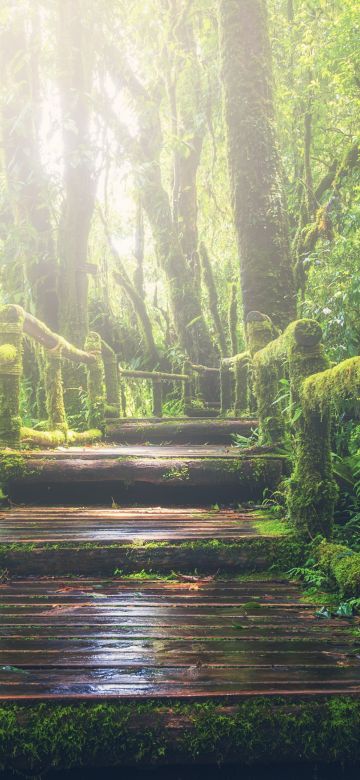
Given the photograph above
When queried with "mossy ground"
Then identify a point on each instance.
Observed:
(36, 738)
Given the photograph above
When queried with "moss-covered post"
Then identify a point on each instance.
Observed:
(241, 364)
(157, 398)
(11, 334)
(54, 392)
(111, 380)
(96, 382)
(226, 387)
(312, 489)
(187, 387)
(265, 378)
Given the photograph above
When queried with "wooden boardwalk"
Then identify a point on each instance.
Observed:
(66, 634)
(85, 639)
(82, 524)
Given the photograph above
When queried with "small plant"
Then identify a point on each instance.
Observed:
(181, 473)
(311, 577)
(274, 502)
(288, 407)
(246, 441)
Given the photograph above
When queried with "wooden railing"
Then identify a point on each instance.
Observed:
(102, 379)
(304, 417)
(160, 378)
(157, 378)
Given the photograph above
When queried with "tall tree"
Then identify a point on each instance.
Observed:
(145, 152)
(75, 77)
(257, 194)
(30, 244)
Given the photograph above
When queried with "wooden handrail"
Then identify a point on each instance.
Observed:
(199, 369)
(52, 341)
(15, 322)
(155, 375)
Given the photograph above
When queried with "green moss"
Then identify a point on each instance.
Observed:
(178, 473)
(266, 527)
(11, 333)
(311, 488)
(53, 438)
(8, 355)
(342, 565)
(90, 436)
(241, 365)
(11, 466)
(248, 554)
(258, 731)
(96, 383)
(332, 387)
(54, 393)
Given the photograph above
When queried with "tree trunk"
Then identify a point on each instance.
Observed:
(145, 152)
(31, 250)
(255, 172)
(79, 178)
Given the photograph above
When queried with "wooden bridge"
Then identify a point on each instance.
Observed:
(144, 568)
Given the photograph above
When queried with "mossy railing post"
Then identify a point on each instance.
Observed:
(11, 335)
(311, 488)
(187, 394)
(96, 382)
(226, 387)
(241, 365)
(157, 398)
(54, 391)
(265, 378)
(111, 380)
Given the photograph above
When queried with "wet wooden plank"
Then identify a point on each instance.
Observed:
(192, 682)
(113, 525)
(225, 633)
(153, 639)
(167, 654)
(101, 643)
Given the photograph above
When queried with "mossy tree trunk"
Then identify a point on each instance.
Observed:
(29, 243)
(74, 74)
(255, 172)
(145, 152)
(186, 97)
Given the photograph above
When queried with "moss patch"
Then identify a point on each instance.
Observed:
(342, 565)
(58, 736)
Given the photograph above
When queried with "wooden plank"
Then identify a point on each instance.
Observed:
(100, 643)
(168, 472)
(90, 638)
(152, 451)
(181, 430)
(144, 657)
(192, 682)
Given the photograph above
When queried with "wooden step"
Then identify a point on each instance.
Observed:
(65, 540)
(94, 639)
(219, 473)
(36, 525)
(179, 430)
